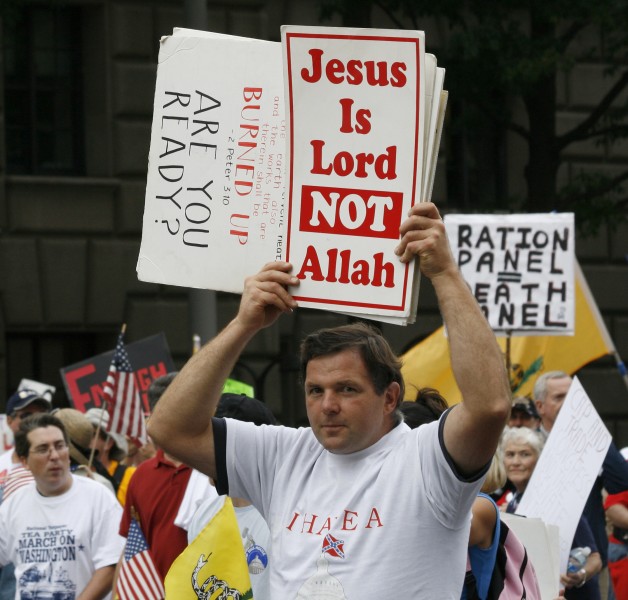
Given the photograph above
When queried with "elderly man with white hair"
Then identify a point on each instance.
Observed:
(550, 391)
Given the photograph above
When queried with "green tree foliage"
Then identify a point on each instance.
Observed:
(505, 60)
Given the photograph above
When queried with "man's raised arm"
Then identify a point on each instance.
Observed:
(473, 427)
(181, 423)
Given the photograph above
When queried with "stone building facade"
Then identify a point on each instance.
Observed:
(75, 116)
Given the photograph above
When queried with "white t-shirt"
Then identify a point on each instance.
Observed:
(391, 519)
(255, 539)
(57, 542)
(7, 464)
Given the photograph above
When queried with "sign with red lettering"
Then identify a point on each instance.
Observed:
(84, 381)
(355, 104)
(520, 269)
(214, 207)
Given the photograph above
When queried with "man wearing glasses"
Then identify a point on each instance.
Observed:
(12, 475)
(57, 530)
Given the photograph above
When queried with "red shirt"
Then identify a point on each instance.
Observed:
(612, 499)
(154, 495)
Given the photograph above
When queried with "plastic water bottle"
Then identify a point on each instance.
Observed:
(577, 559)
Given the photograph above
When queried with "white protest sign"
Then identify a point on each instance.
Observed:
(355, 107)
(215, 189)
(567, 468)
(43, 389)
(542, 545)
(520, 269)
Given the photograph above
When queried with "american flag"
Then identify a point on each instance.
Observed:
(17, 478)
(122, 397)
(138, 578)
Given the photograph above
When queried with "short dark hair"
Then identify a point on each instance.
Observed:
(428, 406)
(243, 408)
(30, 423)
(158, 387)
(382, 365)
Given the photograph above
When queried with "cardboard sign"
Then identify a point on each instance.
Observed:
(355, 103)
(215, 190)
(43, 389)
(364, 140)
(542, 544)
(520, 269)
(567, 468)
(84, 381)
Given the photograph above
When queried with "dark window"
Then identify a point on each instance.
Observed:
(41, 356)
(43, 87)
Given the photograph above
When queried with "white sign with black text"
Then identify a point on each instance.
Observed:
(569, 463)
(520, 269)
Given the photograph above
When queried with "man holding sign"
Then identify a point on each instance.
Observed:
(358, 500)
(550, 391)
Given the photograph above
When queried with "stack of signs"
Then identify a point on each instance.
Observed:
(238, 177)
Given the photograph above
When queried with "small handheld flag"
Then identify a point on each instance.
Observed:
(214, 564)
(122, 397)
(138, 578)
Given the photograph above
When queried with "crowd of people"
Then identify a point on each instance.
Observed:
(386, 491)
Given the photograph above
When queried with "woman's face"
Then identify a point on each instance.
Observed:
(519, 460)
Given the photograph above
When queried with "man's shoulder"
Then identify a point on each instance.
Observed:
(88, 486)
(19, 497)
(272, 430)
(81, 483)
(613, 454)
(6, 460)
(15, 480)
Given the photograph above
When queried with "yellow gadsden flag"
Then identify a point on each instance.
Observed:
(214, 564)
(427, 364)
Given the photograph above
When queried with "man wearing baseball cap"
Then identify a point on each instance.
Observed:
(523, 413)
(19, 406)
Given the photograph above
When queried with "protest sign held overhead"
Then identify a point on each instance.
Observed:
(226, 193)
(214, 196)
(355, 102)
(520, 269)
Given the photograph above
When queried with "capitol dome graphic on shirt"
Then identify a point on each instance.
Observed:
(257, 559)
(323, 585)
(256, 556)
